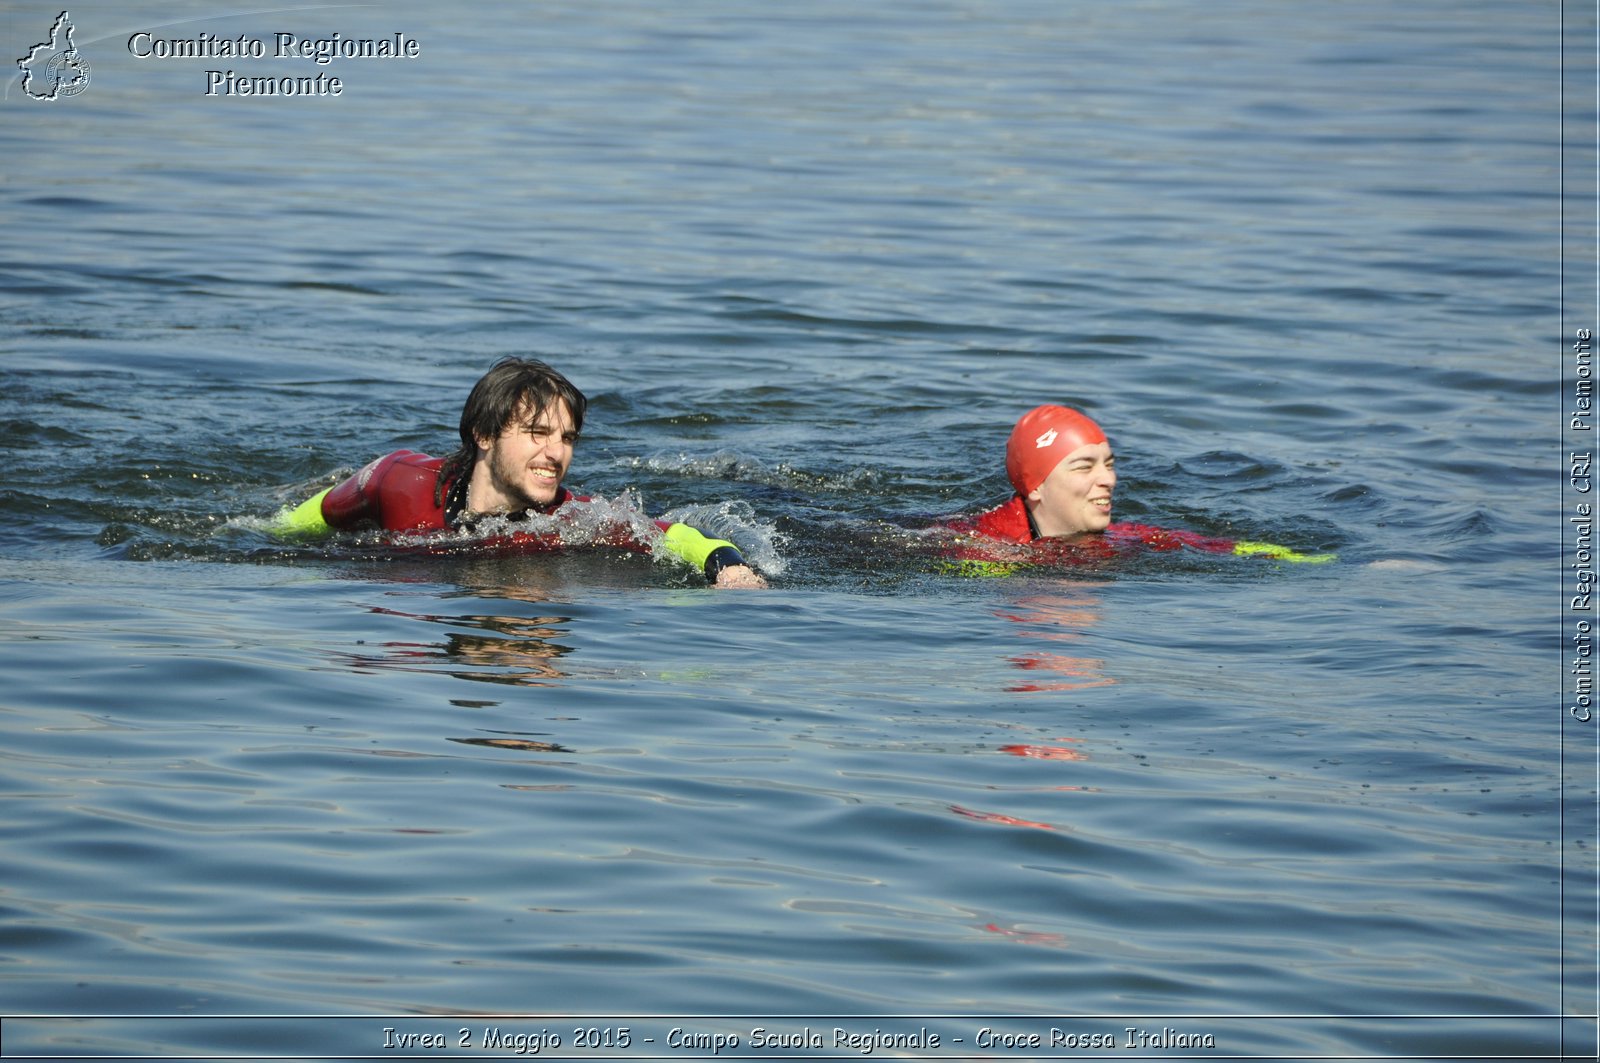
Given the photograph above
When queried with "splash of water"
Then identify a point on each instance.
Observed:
(736, 521)
(596, 521)
(621, 522)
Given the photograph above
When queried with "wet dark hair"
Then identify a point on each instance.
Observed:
(512, 386)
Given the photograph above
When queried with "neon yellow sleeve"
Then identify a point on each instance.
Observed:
(974, 569)
(1281, 553)
(303, 520)
(693, 546)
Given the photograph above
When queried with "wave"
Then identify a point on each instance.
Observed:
(733, 466)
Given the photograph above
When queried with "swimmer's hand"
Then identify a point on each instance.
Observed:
(740, 577)
(1281, 553)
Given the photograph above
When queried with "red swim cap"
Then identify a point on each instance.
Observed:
(1043, 437)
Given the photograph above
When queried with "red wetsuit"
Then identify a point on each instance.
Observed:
(397, 493)
(1009, 523)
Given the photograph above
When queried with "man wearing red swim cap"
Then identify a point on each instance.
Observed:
(1062, 468)
(1063, 471)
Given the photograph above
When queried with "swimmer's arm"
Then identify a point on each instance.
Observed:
(1281, 553)
(344, 505)
(304, 521)
(719, 559)
(982, 568)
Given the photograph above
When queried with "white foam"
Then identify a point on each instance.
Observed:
(595, 521)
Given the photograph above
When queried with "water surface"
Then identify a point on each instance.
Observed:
(809, 265)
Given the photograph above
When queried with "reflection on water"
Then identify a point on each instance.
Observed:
(527, 745)
(1045, 939)
(996, 817)
(521, 654)
(1060, 615)
(515, 650)
(1043, 752)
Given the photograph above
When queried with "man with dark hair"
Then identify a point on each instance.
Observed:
(528, 394)
(518, 428)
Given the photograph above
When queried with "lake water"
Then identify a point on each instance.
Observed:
(809, 262)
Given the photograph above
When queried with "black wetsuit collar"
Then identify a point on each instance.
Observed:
(1033, 529)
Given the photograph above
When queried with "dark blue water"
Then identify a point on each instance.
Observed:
(809, 263)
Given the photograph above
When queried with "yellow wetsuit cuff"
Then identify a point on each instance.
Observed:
(1281, 553)
(304, 519)
(706, 554)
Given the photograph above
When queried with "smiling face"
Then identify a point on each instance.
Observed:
(522, 467)
(1076, 496)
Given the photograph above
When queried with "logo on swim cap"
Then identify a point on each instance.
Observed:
(1045, 440)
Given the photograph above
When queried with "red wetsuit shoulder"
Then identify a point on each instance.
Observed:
(395, 492)
(1007, 522)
